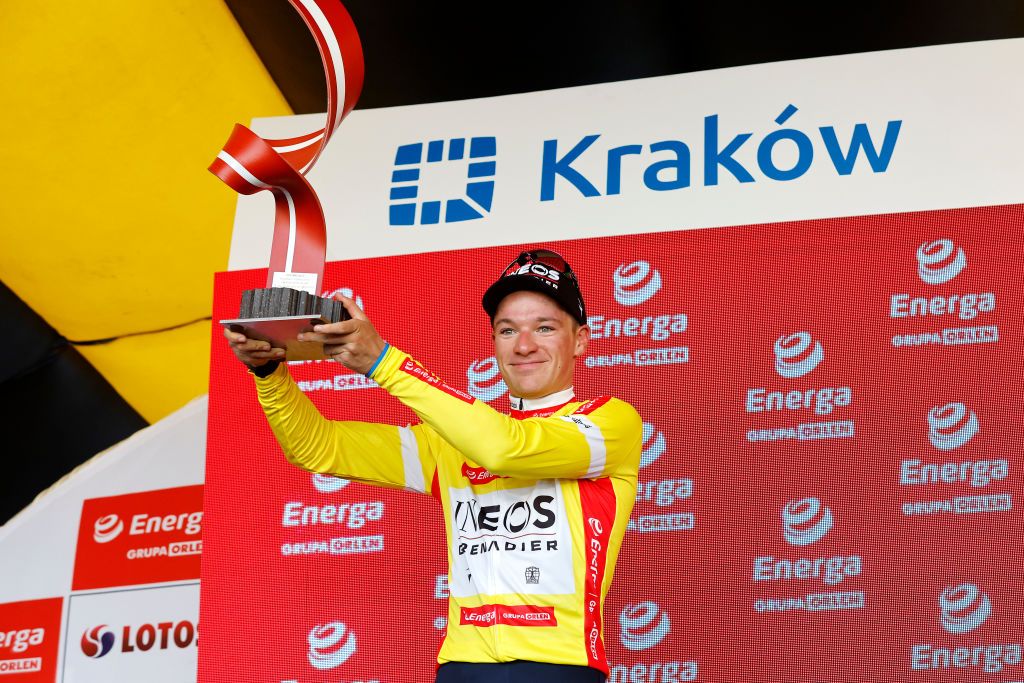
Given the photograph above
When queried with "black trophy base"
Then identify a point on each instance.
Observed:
(278, 314)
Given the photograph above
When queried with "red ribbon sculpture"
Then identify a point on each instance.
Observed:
(250, 164)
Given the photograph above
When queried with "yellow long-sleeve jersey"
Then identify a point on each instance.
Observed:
(535, 503)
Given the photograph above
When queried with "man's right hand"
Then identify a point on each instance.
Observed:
(252, 352)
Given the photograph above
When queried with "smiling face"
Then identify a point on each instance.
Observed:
(536, 344)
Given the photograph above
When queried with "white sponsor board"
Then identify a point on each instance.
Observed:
(761, 143)
(148, 634)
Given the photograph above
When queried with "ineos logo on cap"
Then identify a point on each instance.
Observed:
(330, 645)
(107, 528)
(805, 521)
(940, 261)
(635, 283)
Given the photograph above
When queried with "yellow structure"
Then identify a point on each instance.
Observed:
(111, 223)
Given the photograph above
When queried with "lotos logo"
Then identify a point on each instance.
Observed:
(805, 521)
(484, 378)
(951, 426)
(964, 608)
(653, 446)
(406, 181)
(345, 292)
(97, 641)
(940, 261)
(644, 625)
(330, 645)
(107, 528)
(797, 354)
(328, 483)
(635, 283)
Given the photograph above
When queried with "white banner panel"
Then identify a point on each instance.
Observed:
(141, 634)
(38, 544)
(903, 130)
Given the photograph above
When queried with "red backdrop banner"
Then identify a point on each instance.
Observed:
(827, 492)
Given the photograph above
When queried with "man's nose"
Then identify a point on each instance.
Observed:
(525, 343)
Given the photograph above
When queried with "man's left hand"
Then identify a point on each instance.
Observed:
(353, 343)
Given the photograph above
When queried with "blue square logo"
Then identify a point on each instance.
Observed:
(414, 160)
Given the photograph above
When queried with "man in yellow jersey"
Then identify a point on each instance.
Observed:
(535, 502)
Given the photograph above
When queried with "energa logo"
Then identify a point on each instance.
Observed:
(419, 166)
(797, 354)
(964, 608)
(653, 445)
(951, 426)
(327, 483)
(643, 625)
(107, 528)
(330, 645)
(805, 521)
(635, 283)
(345, 292)
(484, 380)
(940, 261)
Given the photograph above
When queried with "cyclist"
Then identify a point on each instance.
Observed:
(535, 502)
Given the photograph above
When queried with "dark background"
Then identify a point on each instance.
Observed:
(58, 411)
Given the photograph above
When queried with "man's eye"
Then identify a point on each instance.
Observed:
(506, 331)
(545, 328)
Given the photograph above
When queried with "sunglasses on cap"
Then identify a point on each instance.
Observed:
(543, 256)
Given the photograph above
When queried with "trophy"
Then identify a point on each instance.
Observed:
(289, 303)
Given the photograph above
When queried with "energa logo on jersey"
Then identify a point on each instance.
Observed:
(635, 283)
(797, 354)
(448, 174)
(964, 608)
(805, 521)
(940, 261)
(484, 381)
(643, 625)
(330, 645)
(328, 483)
(107, 528)
(951, 426)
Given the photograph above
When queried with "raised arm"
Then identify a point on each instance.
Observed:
(371, 453)
(378, 454)
(602, 438)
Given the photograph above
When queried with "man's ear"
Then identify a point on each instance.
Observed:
(582, 340)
